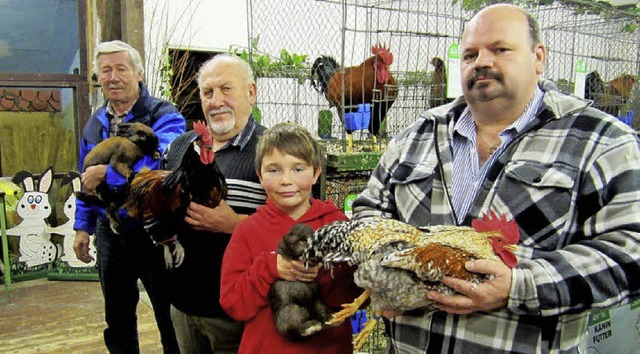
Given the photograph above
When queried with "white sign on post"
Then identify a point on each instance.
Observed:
(454, 86)
(580, 76)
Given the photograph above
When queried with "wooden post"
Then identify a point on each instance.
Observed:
(132, 23)
(5, 243)
(110, 20)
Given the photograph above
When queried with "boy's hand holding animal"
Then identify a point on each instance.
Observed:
(294, 270)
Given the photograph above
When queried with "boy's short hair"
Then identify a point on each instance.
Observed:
(291, 139)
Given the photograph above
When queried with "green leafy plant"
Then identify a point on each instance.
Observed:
(166, 72)
(257, 114)
(287, 65)
(415, 78)
(325, 122)
(564, 85)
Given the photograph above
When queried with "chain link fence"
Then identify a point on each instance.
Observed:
(416, 32)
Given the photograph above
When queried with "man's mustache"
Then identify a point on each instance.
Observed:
(484, 73)
(214, 112)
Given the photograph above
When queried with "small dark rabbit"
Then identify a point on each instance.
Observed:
(297, 308)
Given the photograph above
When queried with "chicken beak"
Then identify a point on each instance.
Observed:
(511, 248)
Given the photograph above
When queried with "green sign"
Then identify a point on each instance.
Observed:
(454, 51)
(599, 316)
(348, 204)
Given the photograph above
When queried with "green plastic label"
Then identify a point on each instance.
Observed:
(454, 51)
(348, 205)
(598, 317)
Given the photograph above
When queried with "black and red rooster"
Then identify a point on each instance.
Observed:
(370, 82)
(160, 198)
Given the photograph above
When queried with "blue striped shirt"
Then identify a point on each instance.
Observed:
(467, 172)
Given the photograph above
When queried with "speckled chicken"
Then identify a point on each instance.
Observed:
(399, 263)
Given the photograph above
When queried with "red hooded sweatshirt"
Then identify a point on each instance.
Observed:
(249, 269)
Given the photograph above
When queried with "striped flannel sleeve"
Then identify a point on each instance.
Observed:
(597, 260)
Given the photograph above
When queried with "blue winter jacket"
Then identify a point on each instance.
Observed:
(159, 114)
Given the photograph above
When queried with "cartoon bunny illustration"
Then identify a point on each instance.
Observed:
(33, 207)
(67, 230)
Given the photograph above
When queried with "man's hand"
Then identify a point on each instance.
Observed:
(92, 177)
(295, 270)
(81, 246)
(219, 219)
(489, 295)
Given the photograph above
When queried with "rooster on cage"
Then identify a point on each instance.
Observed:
(370, 82)
(609, 96)
(397, 264)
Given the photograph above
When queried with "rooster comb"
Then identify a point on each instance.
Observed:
(492, 222)
(382, 51)
(377, 48)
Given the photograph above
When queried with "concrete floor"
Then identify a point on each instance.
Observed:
(42, 316)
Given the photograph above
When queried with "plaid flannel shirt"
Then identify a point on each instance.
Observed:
(570, 179)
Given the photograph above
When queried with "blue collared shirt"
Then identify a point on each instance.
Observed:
(467, 172)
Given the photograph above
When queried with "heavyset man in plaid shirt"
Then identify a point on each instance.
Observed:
(567, 173)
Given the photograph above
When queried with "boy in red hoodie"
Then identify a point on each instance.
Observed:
(288, 164)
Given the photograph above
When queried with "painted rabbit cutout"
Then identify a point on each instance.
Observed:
(66, 229)
(33, 207)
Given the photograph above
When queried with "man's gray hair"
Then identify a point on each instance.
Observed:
(248, 72)
(118, 46)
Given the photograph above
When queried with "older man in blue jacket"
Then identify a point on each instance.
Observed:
(129, 255)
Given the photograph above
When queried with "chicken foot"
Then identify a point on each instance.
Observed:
(366, 331)
(173, 259)
(348, 309)
(375, 147)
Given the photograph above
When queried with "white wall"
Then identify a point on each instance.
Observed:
(207, 25)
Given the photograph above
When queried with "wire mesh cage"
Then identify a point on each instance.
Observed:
(418, 34)
(609, 54)
(340, 185)
(374, 343)
(413, 31)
